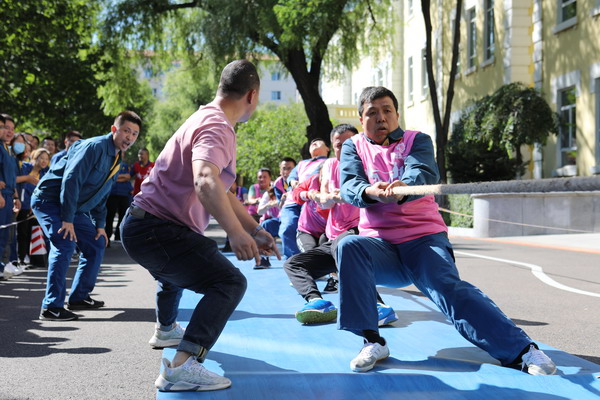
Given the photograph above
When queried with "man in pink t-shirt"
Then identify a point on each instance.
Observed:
(164, 230)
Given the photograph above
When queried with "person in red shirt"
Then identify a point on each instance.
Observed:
(141, 169)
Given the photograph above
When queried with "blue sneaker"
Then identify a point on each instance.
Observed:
(385, 314)
(317, 311)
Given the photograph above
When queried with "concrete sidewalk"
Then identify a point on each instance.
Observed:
(584, 242)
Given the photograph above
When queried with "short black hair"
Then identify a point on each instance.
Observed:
(129, 116)
(341, 128)
(288, 159)
(267, 170)
(7, 117)
(2, 118)
(238, 78)
(73, 133)
(373, 93)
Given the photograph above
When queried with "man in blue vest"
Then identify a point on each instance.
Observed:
(70, 205)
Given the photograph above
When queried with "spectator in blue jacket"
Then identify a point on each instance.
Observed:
(9, 198)
(70, 205)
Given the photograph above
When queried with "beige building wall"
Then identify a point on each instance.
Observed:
(531, 45)
(571, 59)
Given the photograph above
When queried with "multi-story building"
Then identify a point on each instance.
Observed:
(553, 46)
(277, 85)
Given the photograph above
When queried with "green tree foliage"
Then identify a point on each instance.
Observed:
(120, 88)
(47, 66)
(271, 134)
(186, 87)
(298, 32)
(486, 142)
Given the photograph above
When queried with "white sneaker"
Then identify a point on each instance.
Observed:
(537, 363)
(189, 376)
(167, 338)
(368, 356)
(12, 269)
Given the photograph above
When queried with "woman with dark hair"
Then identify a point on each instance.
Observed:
(31, 173)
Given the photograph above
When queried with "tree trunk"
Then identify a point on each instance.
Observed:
(308, 86)
(442, 125)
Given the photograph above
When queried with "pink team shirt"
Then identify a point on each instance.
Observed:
(310, 221)
(169, 191)
(306, 169)
(395, 223)
(342, 216)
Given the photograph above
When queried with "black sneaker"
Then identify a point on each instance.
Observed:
(264, 263)
(57, 314)
(332, 286)
(85, 304)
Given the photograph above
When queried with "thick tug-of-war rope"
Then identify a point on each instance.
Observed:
(513, 223)
(575, 184)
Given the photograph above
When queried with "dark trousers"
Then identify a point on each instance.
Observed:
(180, 258)
(304, 268)
(114, 205)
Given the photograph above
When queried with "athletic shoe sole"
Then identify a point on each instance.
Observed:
(165, 386)
(370, 366)
(85, 306)
(387, 320)
(44, 318)
(161, 343)
(316, 317)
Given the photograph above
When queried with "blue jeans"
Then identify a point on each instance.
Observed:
(61, 250)
(288, 229)
(271, 225)
(180, 258)
(428, 263)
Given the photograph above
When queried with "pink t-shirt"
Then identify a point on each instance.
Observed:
(310, 220)
(396, 223)
(342, 216)
(306, 169)
(169, 191)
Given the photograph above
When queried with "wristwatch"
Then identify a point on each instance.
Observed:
(256, 230)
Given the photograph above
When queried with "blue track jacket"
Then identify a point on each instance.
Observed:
(79, 182)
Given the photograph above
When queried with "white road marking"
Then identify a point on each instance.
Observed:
(536, 270)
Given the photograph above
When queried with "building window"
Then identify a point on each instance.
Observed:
(567, 9)
(488, 38)
(275, 76)
(410, 79)
(276, 95)
(424, 81)
(472, 39)
(568, 126)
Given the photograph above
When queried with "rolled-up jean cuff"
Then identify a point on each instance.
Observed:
(194, 349)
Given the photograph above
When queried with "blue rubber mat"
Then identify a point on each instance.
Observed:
(269, 355)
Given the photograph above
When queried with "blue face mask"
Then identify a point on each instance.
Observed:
(18, 147)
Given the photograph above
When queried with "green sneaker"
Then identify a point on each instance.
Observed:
(317, 311)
